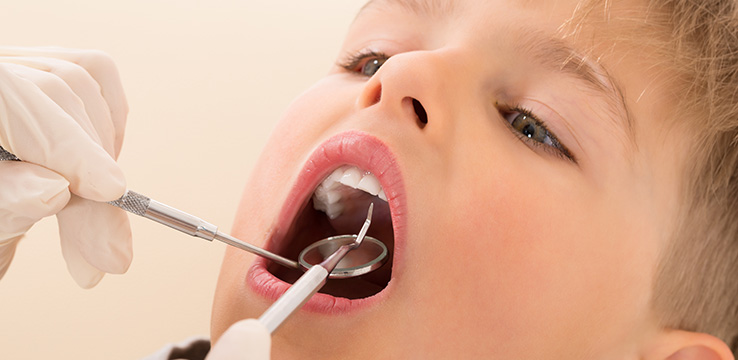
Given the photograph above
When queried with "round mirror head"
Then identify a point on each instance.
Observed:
(371, 255)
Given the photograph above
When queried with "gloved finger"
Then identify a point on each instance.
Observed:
(246, 339)
(74, 90)
(57, 90)
(100, 233)
(84, 274)
(101, 67)
(28, 193)
(37, 130)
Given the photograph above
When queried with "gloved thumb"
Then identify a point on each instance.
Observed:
(246, 339)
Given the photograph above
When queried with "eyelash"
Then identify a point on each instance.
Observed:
(352, 61)
(557, 149)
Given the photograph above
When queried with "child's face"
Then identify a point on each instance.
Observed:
(514, 238)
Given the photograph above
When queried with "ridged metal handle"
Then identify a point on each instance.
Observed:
(142, 205)
(132, 202)
(5, 155)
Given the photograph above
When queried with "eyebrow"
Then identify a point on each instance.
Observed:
(555, 54)
(550, 52)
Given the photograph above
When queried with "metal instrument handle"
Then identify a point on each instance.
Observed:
(146, 207)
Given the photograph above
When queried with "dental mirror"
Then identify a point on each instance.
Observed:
(371, 255)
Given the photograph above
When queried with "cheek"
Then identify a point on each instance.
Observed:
(316, 111)
(520, 252)
(307, 122)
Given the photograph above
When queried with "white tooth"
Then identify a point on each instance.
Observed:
(332, 181)
(382, 195)
(370, 184)
(351, 177)
(327, 193)
(334, 192)
(334, 210)
(319, 199)
(320, 190)
(332, 197)
(326, 196)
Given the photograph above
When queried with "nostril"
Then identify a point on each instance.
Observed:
(377, 95)
(371, 95)
(420, 112)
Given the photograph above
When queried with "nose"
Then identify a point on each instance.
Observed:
(414, 87)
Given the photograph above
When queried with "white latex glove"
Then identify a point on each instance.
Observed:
(245, 340)
(63, 113)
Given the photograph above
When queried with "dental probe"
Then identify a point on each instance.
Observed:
(146, 207)
(309, 283)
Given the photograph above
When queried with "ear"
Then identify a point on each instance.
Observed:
(686, 345)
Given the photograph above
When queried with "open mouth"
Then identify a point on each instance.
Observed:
(340, 211)
(337, 206)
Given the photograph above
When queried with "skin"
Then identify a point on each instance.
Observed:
(520, 253)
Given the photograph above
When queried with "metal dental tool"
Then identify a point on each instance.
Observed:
(141, 205)
(372, 256)
(309, 283)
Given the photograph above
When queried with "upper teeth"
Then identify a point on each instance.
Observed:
(328, 194)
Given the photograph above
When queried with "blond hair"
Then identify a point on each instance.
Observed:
(696, 284)
(696, 41)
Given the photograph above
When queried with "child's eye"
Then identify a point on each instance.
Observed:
(532, 131)
(364, 63)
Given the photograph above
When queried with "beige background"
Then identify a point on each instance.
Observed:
(206, 81)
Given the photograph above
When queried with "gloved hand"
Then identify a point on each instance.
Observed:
(63, 113)
(245, 340)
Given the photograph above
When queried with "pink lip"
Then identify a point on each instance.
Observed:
(353, 148)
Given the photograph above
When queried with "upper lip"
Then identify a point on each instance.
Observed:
(349, 148)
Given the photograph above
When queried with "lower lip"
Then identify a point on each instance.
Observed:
(346, 148)
(267, 285)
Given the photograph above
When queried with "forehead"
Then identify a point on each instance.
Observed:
(624, 15)
(448, 7)
(418, 6)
